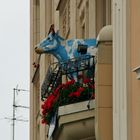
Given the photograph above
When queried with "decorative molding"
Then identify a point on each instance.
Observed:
(66, 19)
(79, 3)
(119, 70)
(57, 2)
(76, 107)
(63, 6)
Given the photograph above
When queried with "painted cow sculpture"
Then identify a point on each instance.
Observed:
(74, 48)
(52, 45)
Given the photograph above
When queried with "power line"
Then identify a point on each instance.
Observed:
(21, 106)
(14, 118)
(21, 89)
(16, 90)
(22, 120)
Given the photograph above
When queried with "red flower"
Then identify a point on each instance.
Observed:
(70, 82)
(63, 85)
(49, 102)
(44, 112)
(87, 80)
(80, 89)
(92, 86)
(48, 105)
(56, 91)
(76, 94)
(71, 94)
(44, 121)
(93, 96)
(42, 106)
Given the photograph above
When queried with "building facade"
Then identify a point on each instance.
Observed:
(114, 114)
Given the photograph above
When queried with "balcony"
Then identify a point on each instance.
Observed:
(71, 103)
(76, 122)
(79, 118)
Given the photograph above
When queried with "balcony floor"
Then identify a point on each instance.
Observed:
(76, 122)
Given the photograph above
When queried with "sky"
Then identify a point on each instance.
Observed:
(14, 66)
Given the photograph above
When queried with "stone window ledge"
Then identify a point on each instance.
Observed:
(137, 70)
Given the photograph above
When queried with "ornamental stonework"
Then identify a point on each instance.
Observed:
(66, 19)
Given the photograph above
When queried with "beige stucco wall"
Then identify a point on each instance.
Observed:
(43, 14)
(40, 21)
(135, 61)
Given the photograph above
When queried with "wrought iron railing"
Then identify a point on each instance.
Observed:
(70, 69)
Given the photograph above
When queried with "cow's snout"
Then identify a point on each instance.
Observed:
(39, 50)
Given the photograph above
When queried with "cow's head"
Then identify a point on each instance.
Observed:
(47, 45)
